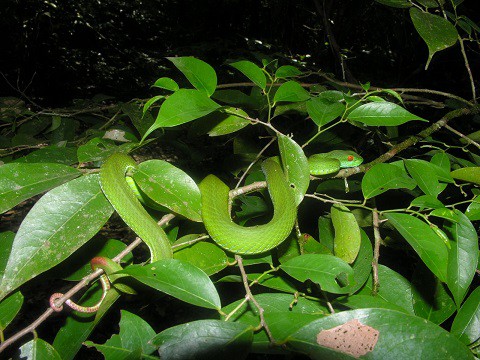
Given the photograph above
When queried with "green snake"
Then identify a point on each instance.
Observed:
(215, 212)
(333, 161)
(115, 187)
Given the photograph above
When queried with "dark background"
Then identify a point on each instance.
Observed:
(56, 51)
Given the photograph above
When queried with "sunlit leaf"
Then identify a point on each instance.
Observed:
(382, 114)
(200, 74)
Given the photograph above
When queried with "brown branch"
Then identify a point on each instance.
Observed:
(465, 137)
(249, 296)
(81, 284)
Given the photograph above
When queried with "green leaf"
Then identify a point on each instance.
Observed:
(38, 349)
(142, 120)
(166, 83)
(466, 324)
(6, 241)
(178, 279)
(441, 160)
(322, 269)
(291, 91)
(287, 71)
(384, 177)
(272, 281)
(200, 74)
(425, 176)
(58, 224)
(181, 107)
(346, 243)
(427, 201)
(462, 257)
(78, 327)
(50, 154)
(218, 123)
(205, 339)
(437, 32)
(382, 114)
(295, 166)
(133, 339)
(400, 336)
(468, 174)
(326, 107)
(395, 3)
(430, 297)
(169, 186)
(9, 308)
(473, 210)
(150, 102)
(98, 149)
(362, 266)
(426, 243)
(394, 292)
(19, 182)
(204, 255)
(251, 71)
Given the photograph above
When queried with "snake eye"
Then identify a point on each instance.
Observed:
(350, 157)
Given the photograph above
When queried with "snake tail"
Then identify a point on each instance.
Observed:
(124, 201)
(254, 239)
(96, 262)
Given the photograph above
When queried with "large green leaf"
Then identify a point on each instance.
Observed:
(169, 186)
(436, 31)
(178, 279)
(251, 71)
(473, 210)
(466, 325)
(181, 107)
(426, 243)
(322, 269)
(431, 300)
(205, 339)
(394, 292)
(382, 114)
(291, 91)
(19, 182)
(199, 73)
(9, 308)
(384, 177)
(205, 255)
(59, 223)
(132, 340)
(295, 166)
(469, 174)
(462, 257)
(51, 154)
(286, 71)
(38, 349)
(326, 107)
(425, 175)
(228, 121)
(398, 336)
(362, 266)
(346, 243)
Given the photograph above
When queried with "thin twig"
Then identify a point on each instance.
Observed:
(376, 251)
(467, 66)
(456, 132)
(259, 155)
(249, 296)
(81, 284)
